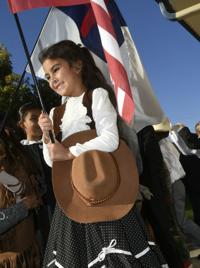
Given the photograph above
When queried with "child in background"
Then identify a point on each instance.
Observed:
(18, 189)
(28, 122)
(29, 114)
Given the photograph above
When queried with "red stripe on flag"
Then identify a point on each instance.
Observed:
(128, 109)
(120, 78)
(104, 19)
(118, 73)
(20, 5)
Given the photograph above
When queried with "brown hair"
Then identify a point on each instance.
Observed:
(25, 108)
(16, 161)
(71, 52)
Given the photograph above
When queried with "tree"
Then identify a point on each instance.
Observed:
(8, 85)
(12, 97)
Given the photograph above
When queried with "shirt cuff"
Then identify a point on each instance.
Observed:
(73, 150)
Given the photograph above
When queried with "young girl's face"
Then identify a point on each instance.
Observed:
(63, 78)
(30, 125)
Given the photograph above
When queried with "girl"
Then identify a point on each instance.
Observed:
(72, 73)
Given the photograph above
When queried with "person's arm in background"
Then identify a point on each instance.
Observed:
(181, 145)
(12, 215)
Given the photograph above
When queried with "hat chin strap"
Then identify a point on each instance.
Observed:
(93, 202)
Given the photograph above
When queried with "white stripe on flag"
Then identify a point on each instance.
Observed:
(120, 100)
(110, 44)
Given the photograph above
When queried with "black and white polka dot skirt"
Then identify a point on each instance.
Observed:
(122, 243)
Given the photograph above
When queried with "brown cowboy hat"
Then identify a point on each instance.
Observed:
(96, 186)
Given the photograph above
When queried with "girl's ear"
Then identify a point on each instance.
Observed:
(77, 66)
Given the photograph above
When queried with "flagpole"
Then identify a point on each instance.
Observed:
(19, 84)
(31, 68)
(24, 72)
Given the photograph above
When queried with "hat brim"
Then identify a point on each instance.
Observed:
(112, 209)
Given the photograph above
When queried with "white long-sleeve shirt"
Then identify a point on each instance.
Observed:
(75, 119)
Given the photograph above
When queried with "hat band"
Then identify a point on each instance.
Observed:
(92, 201)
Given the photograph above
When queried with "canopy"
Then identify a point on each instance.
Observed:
(186, 12)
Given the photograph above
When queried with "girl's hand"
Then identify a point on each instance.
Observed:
(45, 123)
(58, 152)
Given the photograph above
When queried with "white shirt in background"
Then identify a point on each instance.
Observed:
(171, 158)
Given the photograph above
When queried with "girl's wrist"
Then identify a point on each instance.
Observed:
(46, 139)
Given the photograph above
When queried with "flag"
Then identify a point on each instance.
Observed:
(113, 57)
(78, 23)
(20, 5)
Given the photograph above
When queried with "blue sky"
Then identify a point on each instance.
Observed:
(169, 53)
